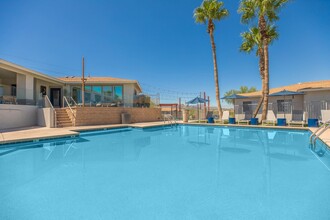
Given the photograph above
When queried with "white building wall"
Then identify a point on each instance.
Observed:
(21, 86)
(297, 104)
(46, 117)
(29, 86)
(128, 95)
(16, 116)
(317, 96)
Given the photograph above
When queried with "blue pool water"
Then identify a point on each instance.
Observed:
(183, 172)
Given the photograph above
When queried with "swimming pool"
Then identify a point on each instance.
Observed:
(179, 172)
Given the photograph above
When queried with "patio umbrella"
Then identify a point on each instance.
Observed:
(234, 96)
(197, 101)
(285, 93)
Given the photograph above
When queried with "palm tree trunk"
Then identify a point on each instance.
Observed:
(261, 100)
(263, 27)
(262, 76)
(216, 78)
(266, 83)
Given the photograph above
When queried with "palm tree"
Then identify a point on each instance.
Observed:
(266, 11)
(252, 41)
(208, 12)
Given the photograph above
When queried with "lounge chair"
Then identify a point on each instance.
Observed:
(247, 118)
(271, 118)
(298, 118)
(325, 116)
(225, 117)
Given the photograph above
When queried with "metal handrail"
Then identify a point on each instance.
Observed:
(52, 107)
(169, 118)
(75, 103)
(66, 100)
(317, 134)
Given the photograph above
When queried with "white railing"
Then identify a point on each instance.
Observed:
(169, 118)
(75, 103)
(52, 107)
(65, 100)
(316, 134)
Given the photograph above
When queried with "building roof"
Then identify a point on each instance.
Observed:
(94, 80)
(299, 87)
(100, 80)
(74, 80)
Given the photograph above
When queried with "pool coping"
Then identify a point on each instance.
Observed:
(75, 131)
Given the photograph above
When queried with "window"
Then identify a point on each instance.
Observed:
(43, 90)
(97, 93)
(284, 106)
(118, 94)
(247, 106)
(88, 94)
(107, 93)
(76, 94)
(13, 89)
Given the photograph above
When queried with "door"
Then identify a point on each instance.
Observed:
(55, 97)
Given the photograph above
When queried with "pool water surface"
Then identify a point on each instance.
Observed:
(179, 172)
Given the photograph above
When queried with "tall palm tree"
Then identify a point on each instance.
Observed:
(207, 13)
(252, 41)
(266, 11)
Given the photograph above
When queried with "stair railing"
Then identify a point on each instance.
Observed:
(65, 100)
(316, 134)
(169, 118)
(52, 107)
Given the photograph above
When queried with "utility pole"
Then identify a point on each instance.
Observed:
(180, 104)
(204, 105)
(208, 104)
(83, 82)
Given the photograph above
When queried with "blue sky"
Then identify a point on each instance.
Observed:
(158, 43)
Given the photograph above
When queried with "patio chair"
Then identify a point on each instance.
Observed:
(271, 118)
(325, 116)
(225, 117)
(246, 119)
(298, 118)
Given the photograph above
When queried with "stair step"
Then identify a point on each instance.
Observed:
(63, 118)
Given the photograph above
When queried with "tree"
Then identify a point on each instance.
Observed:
(207, 13)
(252, 41)
(242, 89)
(266, 12)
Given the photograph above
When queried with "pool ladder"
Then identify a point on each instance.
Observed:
(169, 118)
(316, 134)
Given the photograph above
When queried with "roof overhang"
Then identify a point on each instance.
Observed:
(137, 85)
(314, 89)
(23, 70)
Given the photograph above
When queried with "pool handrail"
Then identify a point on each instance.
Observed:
(316, 134)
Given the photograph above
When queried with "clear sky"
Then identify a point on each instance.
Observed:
(158, 43)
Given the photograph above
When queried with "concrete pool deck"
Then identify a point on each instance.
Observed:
(36, 133)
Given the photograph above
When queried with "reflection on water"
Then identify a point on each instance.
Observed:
(236, 150)
(287, 157)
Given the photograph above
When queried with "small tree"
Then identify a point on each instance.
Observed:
(242, 89)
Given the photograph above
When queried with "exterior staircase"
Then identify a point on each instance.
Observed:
(62, 118)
